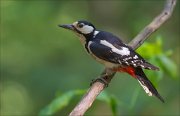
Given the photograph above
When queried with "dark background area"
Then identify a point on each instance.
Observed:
(39, 60)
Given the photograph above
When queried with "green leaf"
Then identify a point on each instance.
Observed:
(148, 50)
(169, 53)
(168, 65)
(104, 96)
(110, 100)
(154, 76)
(155, 55)
(159, 41)
(60, 102)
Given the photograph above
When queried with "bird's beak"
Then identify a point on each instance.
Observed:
(67, 26)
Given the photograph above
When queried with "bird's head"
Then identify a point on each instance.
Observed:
(80, 27)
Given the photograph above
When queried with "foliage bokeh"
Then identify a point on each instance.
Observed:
(40, 61)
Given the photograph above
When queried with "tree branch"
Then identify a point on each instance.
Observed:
(98, 87)
(154, 25)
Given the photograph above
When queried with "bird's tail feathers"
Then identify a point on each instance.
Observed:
(146, 84)
(149, 66)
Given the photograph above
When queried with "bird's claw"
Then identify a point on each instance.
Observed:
(101, 80)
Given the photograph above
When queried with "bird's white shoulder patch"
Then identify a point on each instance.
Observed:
(95, 33)
(122, 51)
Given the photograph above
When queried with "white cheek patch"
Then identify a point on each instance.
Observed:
(122, 51)
(86, 29)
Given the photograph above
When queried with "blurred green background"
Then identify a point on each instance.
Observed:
(40, 61)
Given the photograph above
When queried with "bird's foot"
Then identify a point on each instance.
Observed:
(101, 80)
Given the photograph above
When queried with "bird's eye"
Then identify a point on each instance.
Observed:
(80, 25)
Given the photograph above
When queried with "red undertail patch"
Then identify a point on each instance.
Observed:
(129, 70)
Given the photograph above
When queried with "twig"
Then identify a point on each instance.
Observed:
(98, 87)
(154, 25)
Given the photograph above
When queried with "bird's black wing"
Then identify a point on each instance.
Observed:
(108, 47)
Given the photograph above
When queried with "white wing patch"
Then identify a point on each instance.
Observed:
(122, 51)
(145, 88)
(135, 57)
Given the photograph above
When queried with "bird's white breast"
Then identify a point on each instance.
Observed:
(81, 38)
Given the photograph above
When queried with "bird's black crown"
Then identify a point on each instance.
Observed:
(86, 23)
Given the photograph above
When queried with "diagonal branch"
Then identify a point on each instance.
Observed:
(98, 87)
(154, 25)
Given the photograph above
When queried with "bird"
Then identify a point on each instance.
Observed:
(113, 53)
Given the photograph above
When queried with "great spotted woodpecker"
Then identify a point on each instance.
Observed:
(109, 50)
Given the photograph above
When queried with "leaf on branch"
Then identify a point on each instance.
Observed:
(111, 100)
(156, 55)
(148, 50)
(60, 102)
(168, 66)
